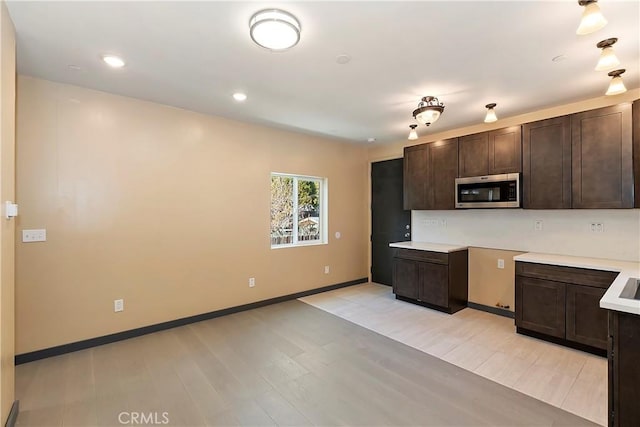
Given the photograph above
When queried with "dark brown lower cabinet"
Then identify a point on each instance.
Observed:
(562, 304)
(432, 279)
(624, 369)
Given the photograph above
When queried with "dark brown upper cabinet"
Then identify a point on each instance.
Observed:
(430, 171)
(636, 149)
(546, 164)
(602, 164)
(489, 153)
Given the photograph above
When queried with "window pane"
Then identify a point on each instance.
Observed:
(308, 210)
(281, 210)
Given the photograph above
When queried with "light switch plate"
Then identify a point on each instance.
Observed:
(36, 235)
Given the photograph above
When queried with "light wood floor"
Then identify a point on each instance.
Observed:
(285, 364)
(482, 343)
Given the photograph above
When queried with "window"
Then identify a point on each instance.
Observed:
(298, 210)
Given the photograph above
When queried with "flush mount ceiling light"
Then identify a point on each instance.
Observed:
(413, 135)
(608, 59)
(491, 113)
(113, 61)
(429, 110)
(274, 29)
(616, 86)
(592, 19)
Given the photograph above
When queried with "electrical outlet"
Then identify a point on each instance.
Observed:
(597, 227)
(443, 223)
(326, 269)
(537, 225)
(500, 263)
(38, 235)
(118, 305)
(252, 282)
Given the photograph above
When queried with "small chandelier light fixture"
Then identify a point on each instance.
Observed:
(429, 110)
(592, 19)
(413, 135)
(616, 86)
(608, 59)
(274, 29)
(491, 114)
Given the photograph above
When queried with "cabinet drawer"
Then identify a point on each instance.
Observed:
(578, 276)
(426, 256)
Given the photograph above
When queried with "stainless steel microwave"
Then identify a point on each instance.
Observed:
(489, 191)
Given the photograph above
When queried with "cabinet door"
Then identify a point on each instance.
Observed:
(602, 165)
(435, 284)
(546, 164)
(406, 278)
(586, 321)
(444, 170)
(540, 306)
(474, 155)
(636, 149)
(415, 178)
(505, 150)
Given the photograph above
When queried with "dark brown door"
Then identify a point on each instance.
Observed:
(636, 150)
(406, 278)
(505, 150)
(444, 170)
(546, 164)
(586, 321)
(435, 284)
(416, 162)
(540, 306)
(624, 370)
(474, 155)
(389, 221)
(602, 165)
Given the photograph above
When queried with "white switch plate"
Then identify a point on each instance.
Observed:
(252, 282)
(597, 227)
(500, 263)
(38, 235)
(326, 269)
(118, 305)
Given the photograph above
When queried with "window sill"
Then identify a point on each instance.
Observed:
(298, 245)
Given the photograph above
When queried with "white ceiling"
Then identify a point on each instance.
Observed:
(194, 55)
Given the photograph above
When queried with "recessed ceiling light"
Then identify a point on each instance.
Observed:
(371, 139)
(74, 67)
(343, 59)
(113, 61)
(239, 96)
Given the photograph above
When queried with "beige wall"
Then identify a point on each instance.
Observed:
(7, 192)
(488, 284)
(166, 208)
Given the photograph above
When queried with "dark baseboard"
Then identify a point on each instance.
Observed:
(119, 336)
(13, 414)
(493, 310)
(563, 342)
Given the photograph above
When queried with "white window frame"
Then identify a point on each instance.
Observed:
(323, 222)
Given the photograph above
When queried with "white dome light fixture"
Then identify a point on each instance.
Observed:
(413, 135)
(592, 19)
(113, 61)
(429, 110)
(274, 29)
(616, 86)
(491, 113)
(608, 59)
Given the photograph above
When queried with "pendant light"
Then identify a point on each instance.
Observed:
(429, 110)
(608, 59)
(616, 86)
(413, 135)
(592, 19)
(491, 113)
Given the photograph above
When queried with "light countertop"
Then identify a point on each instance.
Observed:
(611, 299)
(424, 246)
